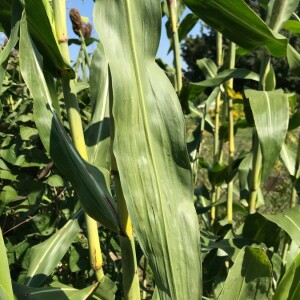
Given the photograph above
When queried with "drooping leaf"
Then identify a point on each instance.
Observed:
(289, 286)
(250, 277)
(44, 257)
(42, 29)
(226, 75)
(87, 180)
(289, 221)
(149, 146)
(271, 114)
(235, 17)
(5, 280)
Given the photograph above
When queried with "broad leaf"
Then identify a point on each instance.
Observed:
(44, 257)
(87, 180)
(5, 280)
(250, 277)
(235, 17)
(289, 221)
(149, 146)
(289, 286)
(271, 114)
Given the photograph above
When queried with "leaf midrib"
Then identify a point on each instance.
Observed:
(147, 131)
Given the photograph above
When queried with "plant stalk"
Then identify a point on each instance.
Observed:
(172, 5)
(76, 129)
(131, 284)
(232, 50)
(216, 189)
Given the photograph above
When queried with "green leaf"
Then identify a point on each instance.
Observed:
(186, 25)
(45, 256)
(250, 277)
(293, 26)
(5, 280)
(61, 292)
(226, 75)
(293, 58)
(208, 67)
(271, 114)
(294, 120)
(289, 221)
(5, 15)
(289, 159)
(289, 287)
(87, 180)
(27, 133)
(8, 194)
(149, 146)
(97, 133)
(235, 17)
(42, 29)
(13, 38)
(279, 12)
(55, 180)
(259, 229)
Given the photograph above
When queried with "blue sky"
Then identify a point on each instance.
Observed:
(85, 8)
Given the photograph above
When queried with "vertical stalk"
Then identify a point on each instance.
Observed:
(76, 129)
(172, 5)
(257, 156)
(216, 189)
(131, 285)
(231, 136)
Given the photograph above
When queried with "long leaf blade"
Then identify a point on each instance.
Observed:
(149, 146)
(44, 257)
(87, 180)
(5, 280)
(271, 114)
(235, 17)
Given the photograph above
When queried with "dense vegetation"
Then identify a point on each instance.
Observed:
(124, 178)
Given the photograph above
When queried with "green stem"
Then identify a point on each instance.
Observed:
(215, 189)
(176, 44)
(84, 48)
(131, 285)
(76, 129)
(232, 50)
